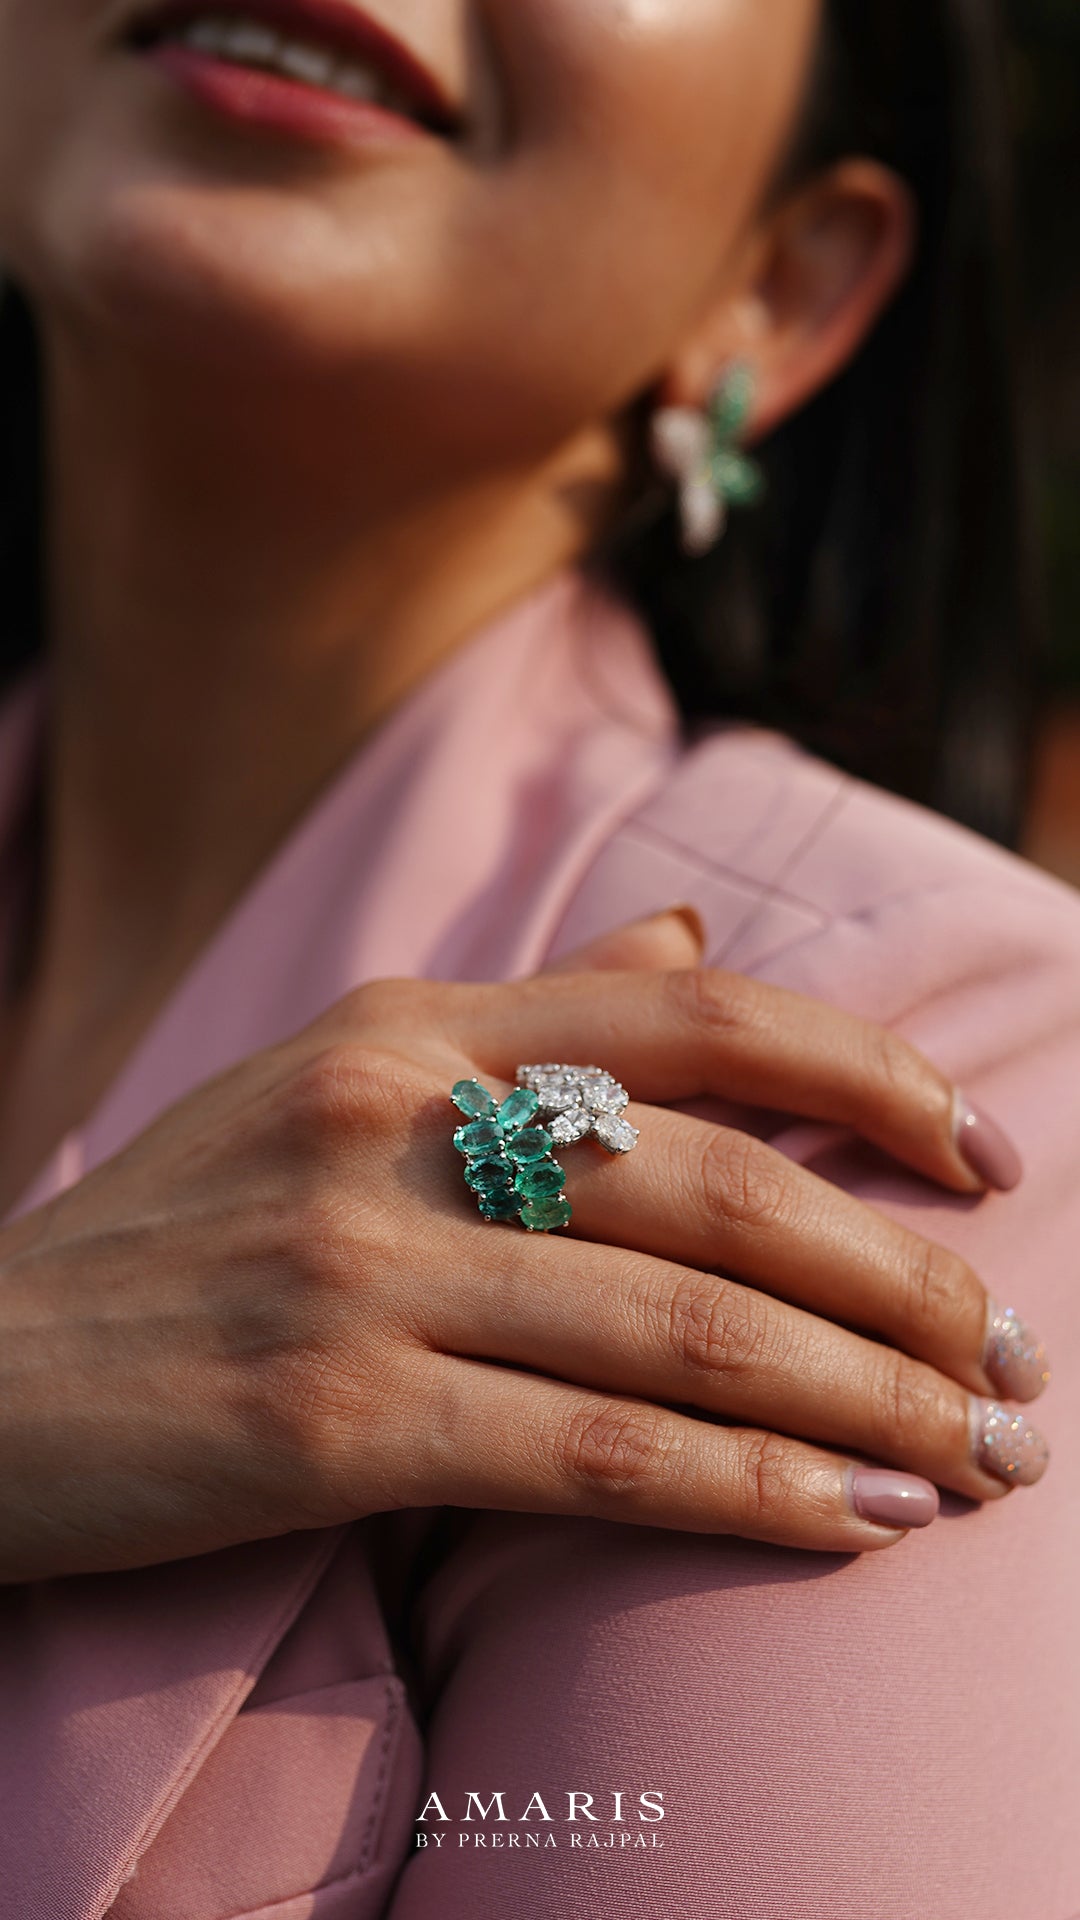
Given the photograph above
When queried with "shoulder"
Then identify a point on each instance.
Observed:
(818, 880)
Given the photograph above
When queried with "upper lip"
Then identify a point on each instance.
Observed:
(334, 23)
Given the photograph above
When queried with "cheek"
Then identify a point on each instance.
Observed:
(645, 133)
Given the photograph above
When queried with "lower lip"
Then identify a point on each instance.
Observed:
(278, 105)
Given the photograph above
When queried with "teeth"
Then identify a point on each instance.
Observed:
(305, 63)
(358, 83)
(252, 43)
(208, 36)
(247, 40)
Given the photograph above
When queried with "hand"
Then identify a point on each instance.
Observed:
(280, 1309)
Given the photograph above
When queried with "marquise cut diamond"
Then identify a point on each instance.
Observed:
(567, 1128)
(579, 1101)
(617, 1135)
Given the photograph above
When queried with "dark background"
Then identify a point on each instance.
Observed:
(1045, 87)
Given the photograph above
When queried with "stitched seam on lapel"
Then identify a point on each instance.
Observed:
(833, 806)
(704, 862)
(373, 1831)
(393, 1693)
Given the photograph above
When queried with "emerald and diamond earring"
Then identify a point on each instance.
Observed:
(699, 449)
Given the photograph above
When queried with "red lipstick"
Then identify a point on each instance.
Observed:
(408, 102)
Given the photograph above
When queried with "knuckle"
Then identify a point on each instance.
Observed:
(320, 1255)
(334, 1424)
(723, 1004)
(742, 1180)
(380, 1004)
(295, 1409)
(942, 1289)
(769, 1484)
(612, 1451)
(306, 1399)
(713, 1327)
(907, 1403)
(345, 1088)
(893, 1069)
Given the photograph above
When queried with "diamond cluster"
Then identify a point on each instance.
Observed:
(581, 1102)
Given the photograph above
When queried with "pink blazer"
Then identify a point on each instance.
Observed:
(249, 1734)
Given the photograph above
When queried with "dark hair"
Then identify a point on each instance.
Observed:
(877, 608)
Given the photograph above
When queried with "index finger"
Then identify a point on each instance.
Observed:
(678, 1036)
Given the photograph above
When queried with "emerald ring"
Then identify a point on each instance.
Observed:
(509, 1164)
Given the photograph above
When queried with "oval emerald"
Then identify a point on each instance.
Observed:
(519, 1108)
(473, 1100)
(540, 1216)
(541, 1182)
(531, 1144)
(503, 1205)
(490, 1176)
(482, 1137)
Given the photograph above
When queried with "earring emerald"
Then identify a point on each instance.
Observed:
(701, 451)
(738, 480)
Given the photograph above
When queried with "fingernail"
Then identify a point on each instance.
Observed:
(1014, 1356)
(1006, 1445)
(692, 919)
(988, 1151)
(892, 1499)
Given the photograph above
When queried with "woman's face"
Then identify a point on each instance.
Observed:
(495, 287)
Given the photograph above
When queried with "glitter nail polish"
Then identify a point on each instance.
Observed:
(1014, 1356)
(1007, 1445)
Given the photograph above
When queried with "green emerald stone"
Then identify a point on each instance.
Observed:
(542, 1181)
(473, 1100)
(504, 1205)
(490, 1176)
(540, 1216)
(482, 1137)
(731, 405)
(522, 1106)
(533, 1144)
(738, 479)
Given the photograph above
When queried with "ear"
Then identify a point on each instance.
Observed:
(813, 280)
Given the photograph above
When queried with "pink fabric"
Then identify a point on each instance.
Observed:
(897, 1736)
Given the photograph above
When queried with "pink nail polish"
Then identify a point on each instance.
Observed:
(987, 1149)
(892, 1499)
(1007, 1445)
(1014, 1356)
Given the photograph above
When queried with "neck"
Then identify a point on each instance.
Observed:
(234, 604)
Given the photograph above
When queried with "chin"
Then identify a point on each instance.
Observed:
(156, 243)
(201, 276)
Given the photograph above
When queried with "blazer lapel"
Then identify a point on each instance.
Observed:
(114, 1688)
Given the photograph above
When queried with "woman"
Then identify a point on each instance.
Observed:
(351, 326)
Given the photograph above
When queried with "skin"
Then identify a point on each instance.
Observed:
(345, 419)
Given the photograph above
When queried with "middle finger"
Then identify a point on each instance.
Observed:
(710, 1196)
